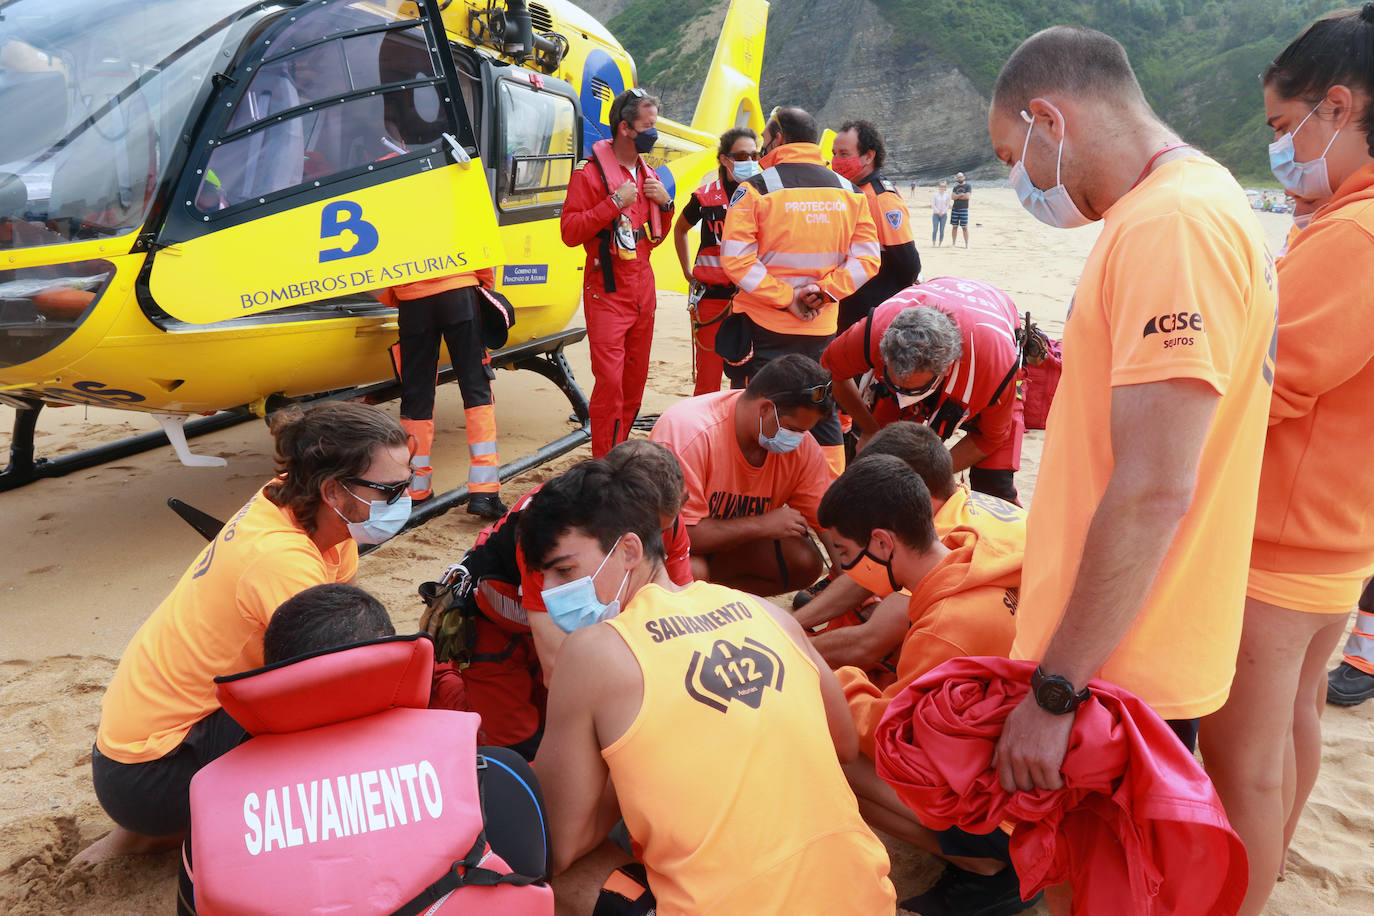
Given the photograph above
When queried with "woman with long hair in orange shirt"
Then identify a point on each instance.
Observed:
(1314, 537)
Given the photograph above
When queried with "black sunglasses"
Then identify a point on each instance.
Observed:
(816, 394)
(911, 392)
(634, 92)
(392, 491)
(741, 157)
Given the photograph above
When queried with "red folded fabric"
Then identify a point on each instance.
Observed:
(1137, 828)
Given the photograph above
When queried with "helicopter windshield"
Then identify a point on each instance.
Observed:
(93, 97)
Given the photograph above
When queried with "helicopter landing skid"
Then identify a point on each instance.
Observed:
(24, 468)
(543, 355)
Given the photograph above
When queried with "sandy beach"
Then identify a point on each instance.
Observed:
(87, 557)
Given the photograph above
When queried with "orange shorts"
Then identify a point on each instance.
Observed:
(1312, 593)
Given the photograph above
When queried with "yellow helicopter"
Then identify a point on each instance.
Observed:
(196, 199)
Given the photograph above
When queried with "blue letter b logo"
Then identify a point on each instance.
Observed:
(342, 219)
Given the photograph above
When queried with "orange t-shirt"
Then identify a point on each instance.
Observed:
(1311, 521)
(720, 482)
(965, 606)
(1178, 285)
(727, 777)
(210, 625)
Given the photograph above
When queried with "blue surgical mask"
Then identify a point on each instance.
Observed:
(384, 520)
(745, 170)
(784, 440)
(1301, 179)
(1053, 207)
(645, 140)
(574, 605)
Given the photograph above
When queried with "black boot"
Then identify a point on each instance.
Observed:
(1347, 685)
(487, 505)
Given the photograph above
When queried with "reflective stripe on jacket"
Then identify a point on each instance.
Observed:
(795, 224)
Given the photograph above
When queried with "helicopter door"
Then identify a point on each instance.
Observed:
(536, 142)
(335, 158)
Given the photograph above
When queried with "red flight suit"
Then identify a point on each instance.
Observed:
(619, 313)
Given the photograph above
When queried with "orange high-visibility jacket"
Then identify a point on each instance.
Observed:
(794, 224)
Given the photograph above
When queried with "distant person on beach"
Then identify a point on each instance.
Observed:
(754, 478)
(859, 156)
(1313, 536)
(1133, 574)
(940, 202)
(958, 214)
(699, 715)
(342, 474)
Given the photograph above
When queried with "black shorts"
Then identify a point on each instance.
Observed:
(154, 798)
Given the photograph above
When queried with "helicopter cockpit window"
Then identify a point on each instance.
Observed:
(539, 144)
(94, 94)
(331, 107)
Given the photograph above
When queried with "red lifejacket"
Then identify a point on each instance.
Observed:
(351, 797)
(712, 201)
(604, 154)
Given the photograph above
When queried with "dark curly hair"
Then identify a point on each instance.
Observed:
(870, 141)
(328, 441)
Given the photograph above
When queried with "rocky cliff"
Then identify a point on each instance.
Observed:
(838, 59)
(922, 69)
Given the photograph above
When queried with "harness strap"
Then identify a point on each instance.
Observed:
(464, 873)
(868, 340)
(725, 313)
(1011, 374)
(511, 645)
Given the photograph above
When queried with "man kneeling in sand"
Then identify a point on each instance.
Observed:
(849, 639)
(963, 602)
(700, 714)
(754, 476)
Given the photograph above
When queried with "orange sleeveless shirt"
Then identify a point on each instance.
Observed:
(727, 778)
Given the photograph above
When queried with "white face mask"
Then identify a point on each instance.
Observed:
(745, 170)
(384, 520)
(1308, 179)
(784, 440)
(1053, 207)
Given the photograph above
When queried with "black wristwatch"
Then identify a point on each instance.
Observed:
(1055, 694)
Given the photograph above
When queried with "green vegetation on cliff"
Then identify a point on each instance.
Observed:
(1198, 61)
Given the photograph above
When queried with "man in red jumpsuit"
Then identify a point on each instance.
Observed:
(618, 210)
